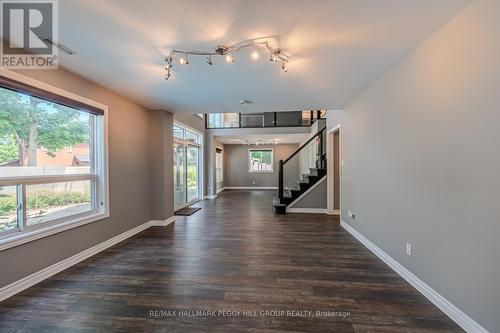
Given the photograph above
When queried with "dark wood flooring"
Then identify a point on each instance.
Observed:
(232, 255)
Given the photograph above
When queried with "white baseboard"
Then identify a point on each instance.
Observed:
(162, 223)
(251, 188)
(32, 279)
(220, 190)
(306, 210)
(457, 315)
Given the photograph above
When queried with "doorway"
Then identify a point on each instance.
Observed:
(334, 161)
(219, 169)
(336, 171)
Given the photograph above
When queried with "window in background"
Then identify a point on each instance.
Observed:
(51, 160)
(260, 160)
(219, 175)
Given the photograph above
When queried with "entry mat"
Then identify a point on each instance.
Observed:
(188, 211)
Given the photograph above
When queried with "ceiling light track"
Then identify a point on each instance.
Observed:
(275, 54)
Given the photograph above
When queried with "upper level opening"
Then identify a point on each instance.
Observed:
(263, 119)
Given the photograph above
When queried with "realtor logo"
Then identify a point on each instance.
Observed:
(29, 31)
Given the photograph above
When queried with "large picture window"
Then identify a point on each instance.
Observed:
(51, 160)
(260, 160)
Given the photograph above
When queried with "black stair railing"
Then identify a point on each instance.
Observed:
(319, 163)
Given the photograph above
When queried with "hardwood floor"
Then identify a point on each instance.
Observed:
(232, 255)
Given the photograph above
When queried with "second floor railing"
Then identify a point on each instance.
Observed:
(260, 120)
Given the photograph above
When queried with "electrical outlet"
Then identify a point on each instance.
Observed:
(351, 214)
(253, 182)
(408, 249)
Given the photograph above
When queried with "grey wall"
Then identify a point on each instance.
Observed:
(161, 164)
(316, 198)
(236, 166)
(422, 159)
(132, 199)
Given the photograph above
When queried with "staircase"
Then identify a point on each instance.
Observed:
(289, 192)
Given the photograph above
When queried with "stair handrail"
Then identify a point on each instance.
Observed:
(283, 162)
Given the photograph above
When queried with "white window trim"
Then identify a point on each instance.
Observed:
(12, 239)
(260, 171)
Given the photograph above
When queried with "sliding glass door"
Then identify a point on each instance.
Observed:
(187, 167)
(179, 175)
(192, 173)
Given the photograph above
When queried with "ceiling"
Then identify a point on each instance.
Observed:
(263, 138)
(337, 48)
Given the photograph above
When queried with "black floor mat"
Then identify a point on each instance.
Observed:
(188, 211)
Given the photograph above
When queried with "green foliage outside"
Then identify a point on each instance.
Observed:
(8, 148)
(28, 123)
(192, 176)
(43, 199)
(261, 156)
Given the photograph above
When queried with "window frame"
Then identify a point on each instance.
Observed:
(98, 175)
(260, 171)
(200, 145)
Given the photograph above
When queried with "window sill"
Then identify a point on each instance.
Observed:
(22, 237)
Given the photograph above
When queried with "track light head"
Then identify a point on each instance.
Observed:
(167, 75)
(184, 60)
(284, 66)
(229, 58)
(275, 55)
(208, 60)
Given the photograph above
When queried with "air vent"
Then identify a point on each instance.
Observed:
(60, 46)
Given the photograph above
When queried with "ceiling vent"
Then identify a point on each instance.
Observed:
(60, 46)
(245, 102)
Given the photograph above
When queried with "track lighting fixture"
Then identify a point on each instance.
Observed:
(276, 54)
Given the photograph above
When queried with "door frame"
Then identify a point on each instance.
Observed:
(218, 190)
(188, 143)
(330, 178)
